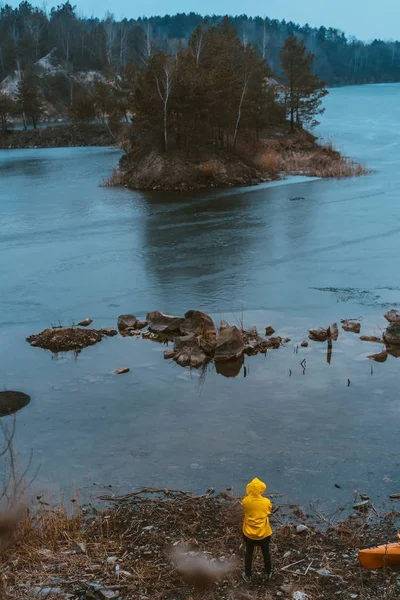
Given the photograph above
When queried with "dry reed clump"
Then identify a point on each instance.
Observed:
(312, 160)
(208, 168)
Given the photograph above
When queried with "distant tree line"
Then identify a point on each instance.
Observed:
(28, 33)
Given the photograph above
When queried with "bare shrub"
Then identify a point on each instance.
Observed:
(208, 168)
(270, 161)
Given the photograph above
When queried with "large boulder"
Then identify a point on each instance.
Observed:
(197, 322)
(127, 322)
(393, 316)
(161, 323)
(392, 334)
(187, 352)
(230, 344)
(11, 402)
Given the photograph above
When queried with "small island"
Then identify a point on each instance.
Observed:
(213, 115)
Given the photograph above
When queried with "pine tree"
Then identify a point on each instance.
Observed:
(304, 89)
(29, 102)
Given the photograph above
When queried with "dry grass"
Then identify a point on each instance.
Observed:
(208, 168)
(270, 161)
(319, 162)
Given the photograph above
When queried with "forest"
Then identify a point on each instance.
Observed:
(28, 33)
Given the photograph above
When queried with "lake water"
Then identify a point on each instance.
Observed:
(296, 255)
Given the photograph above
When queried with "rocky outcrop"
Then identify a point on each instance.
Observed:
(391, 335)
(64, 339)
(166, 324)
(393, 316)
(230, 344)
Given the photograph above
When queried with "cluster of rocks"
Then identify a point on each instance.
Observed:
(197, 340)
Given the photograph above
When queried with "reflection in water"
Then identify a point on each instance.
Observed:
(11, 402)
(230, 368)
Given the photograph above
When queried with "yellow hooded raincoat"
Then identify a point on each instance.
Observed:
(256, 511)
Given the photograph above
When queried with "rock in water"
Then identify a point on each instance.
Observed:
(269, 330)
(393, 316)
(141, 324)
(333, 332)
(318, 335)
(11, 402)
(109, 332)
(392, 334)
(371, 338)
(127, 322)
(85, 323)
(122, 370)
(168, 354)
(187, 352)
(161, 323)
(230, 344)
(197, 322)
(304, 344)
(65, 339)
(351, 326)
(380, 357)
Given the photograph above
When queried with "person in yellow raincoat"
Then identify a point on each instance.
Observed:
(256, 528)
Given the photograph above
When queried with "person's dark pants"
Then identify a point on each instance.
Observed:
(264, 545)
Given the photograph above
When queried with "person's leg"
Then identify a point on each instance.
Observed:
(266, 554)
(248, 560)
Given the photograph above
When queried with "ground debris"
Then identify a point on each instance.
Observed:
(132, 547)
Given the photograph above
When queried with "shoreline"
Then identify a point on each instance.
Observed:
(278, 155)
(57, 136)
(169, 544)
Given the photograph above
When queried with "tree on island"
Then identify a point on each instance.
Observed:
(7, 109)
(83, 107)
(29, 102)
(304, 92)
(215, 91)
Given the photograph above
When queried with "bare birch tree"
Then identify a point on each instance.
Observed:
(164, 83)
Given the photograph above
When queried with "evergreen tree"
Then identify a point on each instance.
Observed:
(29, 103)
(83, 108)
(304, 89)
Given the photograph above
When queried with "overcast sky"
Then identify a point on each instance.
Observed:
(366, 19)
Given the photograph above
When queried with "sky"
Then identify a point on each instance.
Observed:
(366, 19)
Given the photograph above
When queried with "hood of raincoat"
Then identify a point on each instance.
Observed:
(256, 487)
